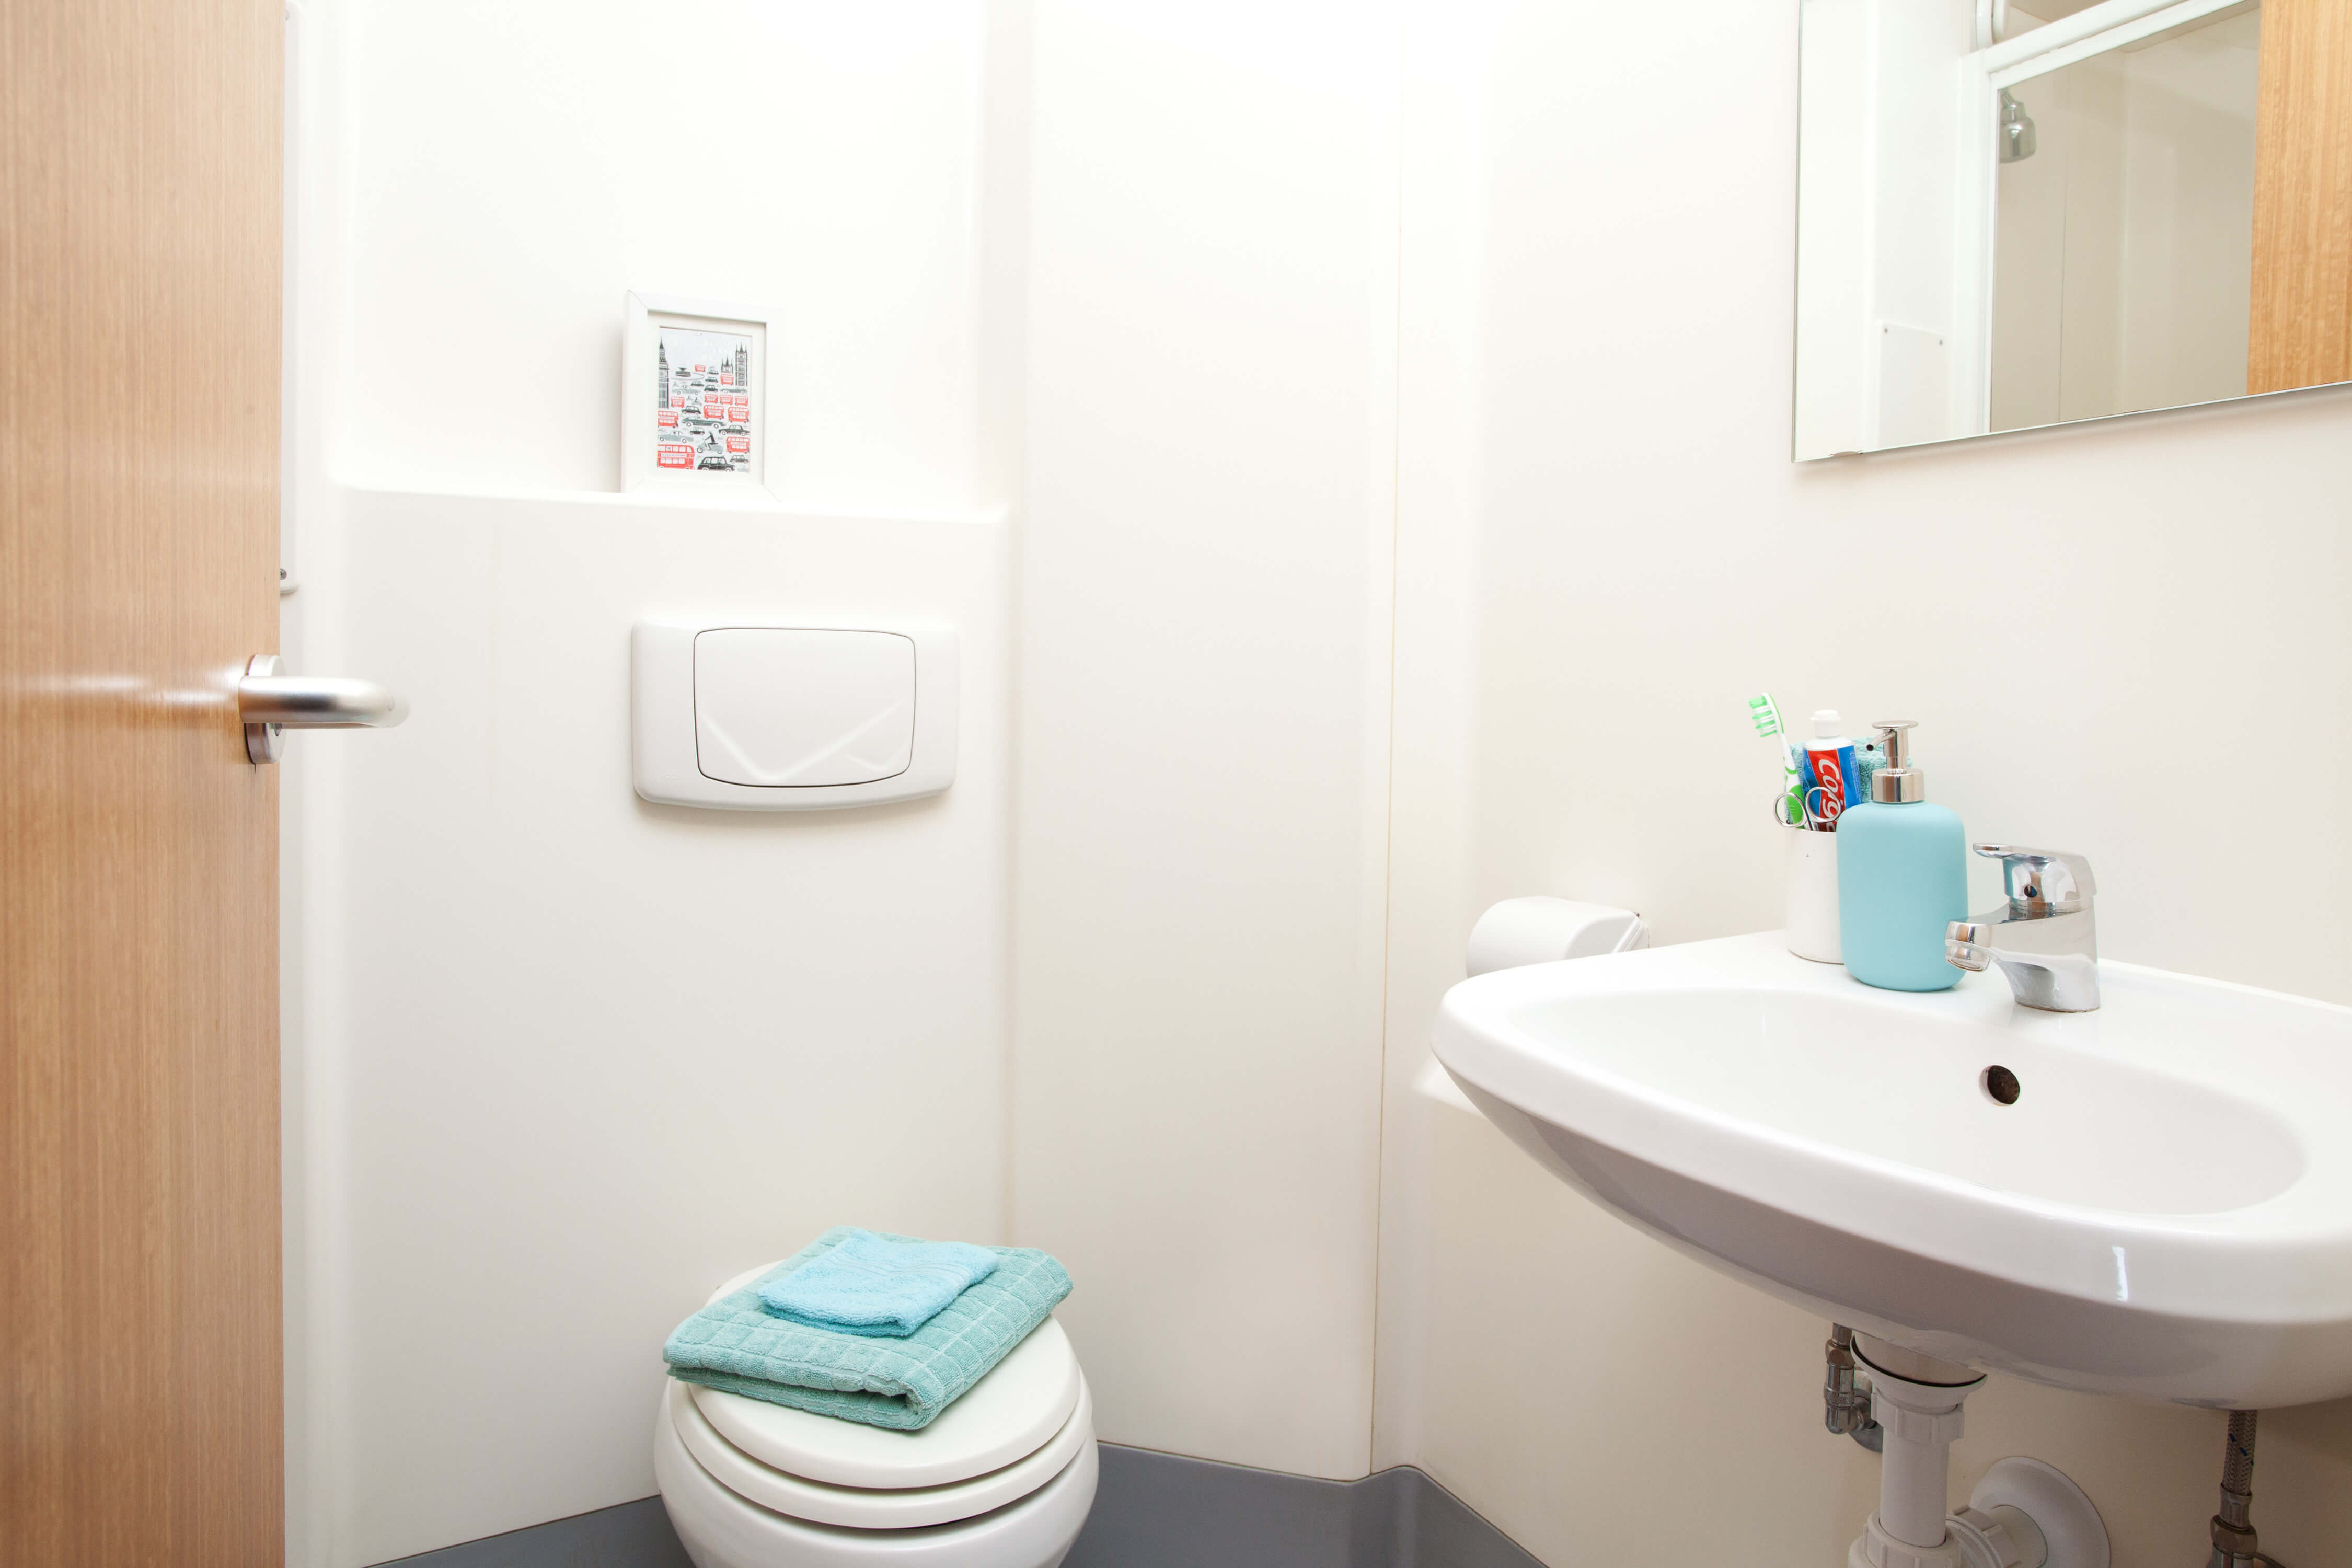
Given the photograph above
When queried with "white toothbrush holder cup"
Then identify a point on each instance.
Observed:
(1813, 896)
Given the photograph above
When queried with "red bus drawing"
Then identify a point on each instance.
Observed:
(674, 454)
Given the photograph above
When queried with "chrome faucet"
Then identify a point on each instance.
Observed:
(2046, 939)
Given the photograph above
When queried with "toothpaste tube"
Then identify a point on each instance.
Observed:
(1835, 781)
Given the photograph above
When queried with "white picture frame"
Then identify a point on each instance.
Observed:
(702, 425)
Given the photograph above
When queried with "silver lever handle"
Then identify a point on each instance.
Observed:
(267, 703)
(2043, 881)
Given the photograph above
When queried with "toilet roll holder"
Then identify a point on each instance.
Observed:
(1519, 932)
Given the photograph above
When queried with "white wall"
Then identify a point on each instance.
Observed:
(560, 1060)
(1313, 429)
(554, 1047)
(1202, 727)
(1834, 369)
(2070, 615)
(516, 167)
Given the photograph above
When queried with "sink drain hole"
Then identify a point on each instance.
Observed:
(2000, 1083)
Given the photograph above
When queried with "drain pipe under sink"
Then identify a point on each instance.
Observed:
(2023, 1514)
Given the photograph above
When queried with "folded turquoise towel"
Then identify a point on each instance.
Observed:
(871, 1285)
(737, 1344)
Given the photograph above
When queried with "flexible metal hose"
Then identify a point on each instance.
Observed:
(2238, 1462)
(2234, 1543)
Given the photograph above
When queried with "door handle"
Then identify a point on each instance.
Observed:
(268, 704)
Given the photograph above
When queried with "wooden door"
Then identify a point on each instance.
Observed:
(141, 1400)
(2301, 330)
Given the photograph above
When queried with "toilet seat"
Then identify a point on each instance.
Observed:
(1010, 1413)
(1003, 1479)
(857, 1508)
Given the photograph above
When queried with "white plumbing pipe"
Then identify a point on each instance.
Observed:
(1922, 1421)
(2023, 1514)
(1914, 1480)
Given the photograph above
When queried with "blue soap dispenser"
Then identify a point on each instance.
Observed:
(1902, 876)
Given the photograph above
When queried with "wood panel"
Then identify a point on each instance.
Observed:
(2301, 307)
(140, 1362)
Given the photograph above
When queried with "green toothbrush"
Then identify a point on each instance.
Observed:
(1789, 810)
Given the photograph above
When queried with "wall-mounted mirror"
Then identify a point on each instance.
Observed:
(2020, 214)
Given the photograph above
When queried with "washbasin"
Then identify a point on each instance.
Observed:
(2153, 1199)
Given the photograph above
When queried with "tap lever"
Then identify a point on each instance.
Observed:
(2046, 939)
(2042, 882)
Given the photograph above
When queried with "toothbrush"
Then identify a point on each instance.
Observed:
(1789, 810)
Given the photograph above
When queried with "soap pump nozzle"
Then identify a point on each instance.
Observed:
(1896, 783)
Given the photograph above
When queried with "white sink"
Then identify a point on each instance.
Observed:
(2165, 1211)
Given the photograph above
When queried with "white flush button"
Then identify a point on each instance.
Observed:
(792, 711)
(783, 709)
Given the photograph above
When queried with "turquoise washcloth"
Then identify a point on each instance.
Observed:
(871, 1285)
(738, 1345)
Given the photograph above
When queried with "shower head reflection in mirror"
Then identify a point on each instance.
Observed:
(2106, 208)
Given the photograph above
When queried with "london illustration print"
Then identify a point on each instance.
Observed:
(702, 401)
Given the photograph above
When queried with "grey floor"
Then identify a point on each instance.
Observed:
(1157, 1511)
(1151, 1510)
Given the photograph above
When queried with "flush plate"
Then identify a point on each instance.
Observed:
(783, 708)
(793, 712)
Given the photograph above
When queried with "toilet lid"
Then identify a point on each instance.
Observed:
(1016, 1409)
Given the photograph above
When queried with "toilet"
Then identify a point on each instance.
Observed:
(1003, 1479)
